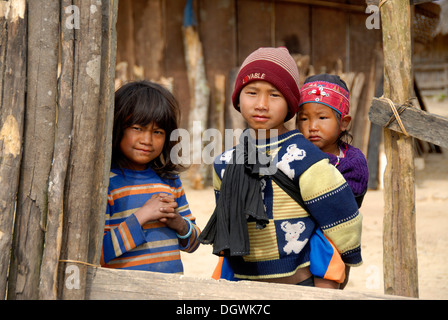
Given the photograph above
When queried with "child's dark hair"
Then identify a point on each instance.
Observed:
(142, 103)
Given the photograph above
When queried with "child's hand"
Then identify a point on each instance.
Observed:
(175, 222)
(159, 207)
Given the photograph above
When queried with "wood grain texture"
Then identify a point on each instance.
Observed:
(418, 123)
(110, 284)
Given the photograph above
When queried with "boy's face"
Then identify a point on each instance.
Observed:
(142, 144)
(263, 107)
(318, 123)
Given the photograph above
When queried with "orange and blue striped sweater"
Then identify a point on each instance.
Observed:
(153, 246)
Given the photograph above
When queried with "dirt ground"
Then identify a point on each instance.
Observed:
(431, 201)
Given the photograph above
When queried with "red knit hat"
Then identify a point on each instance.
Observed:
(276, 66)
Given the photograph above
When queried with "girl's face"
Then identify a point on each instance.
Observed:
(263, 107)
(142, 144)
(318, 123)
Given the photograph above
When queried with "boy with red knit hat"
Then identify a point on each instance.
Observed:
(263, 232)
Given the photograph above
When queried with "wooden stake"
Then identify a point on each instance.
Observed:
(199, 102)
(13, 56)
(89, 162)
(38, 148)
(400, 252)
(53, 236)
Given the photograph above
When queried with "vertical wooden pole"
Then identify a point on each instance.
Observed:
(199, 95)
(399, 237)
(89, 161)
(13, 56)
(38, 148)
(101, 171)
(67, 129)
(62, 144)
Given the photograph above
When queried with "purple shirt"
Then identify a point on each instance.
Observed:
(353, 167)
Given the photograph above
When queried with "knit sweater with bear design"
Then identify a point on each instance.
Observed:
(282, 247)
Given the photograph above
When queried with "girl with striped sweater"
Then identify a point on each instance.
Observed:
(148, 220)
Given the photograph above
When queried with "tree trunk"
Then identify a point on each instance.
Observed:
(13, 36)
(400, 252)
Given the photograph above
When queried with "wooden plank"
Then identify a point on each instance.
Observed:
(416, 2)
(363, 44)
(112, 284)
(361, 126)
(328, 40)
(173, 64)
(422, 105)
(126, 40)
(328, 4)
(355, 93)
(255, 23)
(292, 28)
(411, 2)
(375, 140)
(233, 117)
(218, 18)
(418, 123)
(148, 37)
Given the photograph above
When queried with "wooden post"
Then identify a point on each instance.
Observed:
(13, 56)
(399, 237)
(89, 162)
(199, 95)
(40, 115)
(53, 236)
(67, 125)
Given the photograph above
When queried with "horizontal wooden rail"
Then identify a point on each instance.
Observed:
(418, 123)
(110, 284)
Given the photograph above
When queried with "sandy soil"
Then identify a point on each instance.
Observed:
(431, 187)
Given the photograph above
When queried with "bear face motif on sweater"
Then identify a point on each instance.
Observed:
(292, 234)
(292, 153)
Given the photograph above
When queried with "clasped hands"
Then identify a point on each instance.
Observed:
(162, 207)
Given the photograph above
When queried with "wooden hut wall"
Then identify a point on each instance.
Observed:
(150, 40)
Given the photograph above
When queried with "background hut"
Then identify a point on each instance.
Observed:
(323, 36)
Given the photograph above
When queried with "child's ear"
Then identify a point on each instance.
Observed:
(345, 122)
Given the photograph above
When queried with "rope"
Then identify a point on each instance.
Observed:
(81, 262)
(381, 3)
(396, 114)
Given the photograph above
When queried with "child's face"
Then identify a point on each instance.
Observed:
(263, 107)
(318, 123)
(142, 144)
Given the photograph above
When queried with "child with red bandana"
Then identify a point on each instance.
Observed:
(323, 119)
